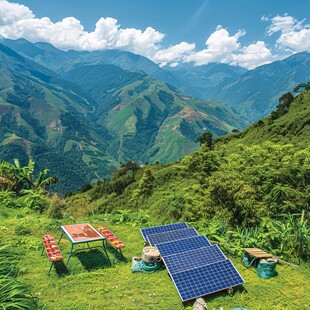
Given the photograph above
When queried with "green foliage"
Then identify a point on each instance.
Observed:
(201, 164)
(302, 86)
(22, 230)
(144, 188)
(291, 127)
(56, 208)
(283, 106)
(13, 294)
(205, 139)
(7, 198)
(33, 200)
(18, 178)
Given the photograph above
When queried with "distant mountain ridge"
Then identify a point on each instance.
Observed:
(248, 92)
(256, 93)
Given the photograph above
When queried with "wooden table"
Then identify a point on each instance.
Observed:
(82, 233)
(255, 254)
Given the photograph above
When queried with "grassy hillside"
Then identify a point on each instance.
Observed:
(292, 127)
(238, 195)
(91, 284)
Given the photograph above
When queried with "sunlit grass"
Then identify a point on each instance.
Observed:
(92, 284)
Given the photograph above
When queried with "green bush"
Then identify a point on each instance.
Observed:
(56, 208)
(21, 230)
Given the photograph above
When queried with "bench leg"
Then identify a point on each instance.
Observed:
(70, 254)
(49, 271)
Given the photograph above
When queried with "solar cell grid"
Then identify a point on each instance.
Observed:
(193, 258)
(207, 279)
(167, 236)
(179, 246)
(158, 229)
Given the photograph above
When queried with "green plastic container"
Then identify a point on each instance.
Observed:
(247, 259)
(266, 269)
(141, 266)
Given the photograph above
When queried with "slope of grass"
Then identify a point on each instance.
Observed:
(291, 127)
(91, 284)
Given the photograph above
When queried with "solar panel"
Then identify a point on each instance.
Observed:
(193, 258)
(158, 229)
(207, 279)
(167, 236)
(179, 246)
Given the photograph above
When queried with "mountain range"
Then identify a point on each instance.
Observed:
(82, 123)
(248, 92)
(81, 113)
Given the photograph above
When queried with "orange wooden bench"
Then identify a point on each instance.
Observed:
(113, 240)
(52, 250)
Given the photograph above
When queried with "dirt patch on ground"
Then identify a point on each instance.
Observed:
(119, 107)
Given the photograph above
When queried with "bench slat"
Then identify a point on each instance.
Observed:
(111, 238)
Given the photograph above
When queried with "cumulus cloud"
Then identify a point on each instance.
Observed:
(174, 54)
(252, 55)
(18, 21)
(13, 12)
(293, 34)
(220, 46)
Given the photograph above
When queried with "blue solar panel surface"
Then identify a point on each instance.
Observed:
(158, 229)
(207, 279)
(167, 236)
(180, 246)
(194, 258)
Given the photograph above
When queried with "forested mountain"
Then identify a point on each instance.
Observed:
(102, 116)
(61, 61)
(199, 81)
(252, 182)
(148, 120)
(46, 118)
(247, 91)
(255, 93)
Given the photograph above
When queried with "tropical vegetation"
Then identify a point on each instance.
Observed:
(246, 189)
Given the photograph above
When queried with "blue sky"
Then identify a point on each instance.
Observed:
(169, 32)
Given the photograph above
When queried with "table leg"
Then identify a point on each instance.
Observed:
(70, 254)
(62, 233)
(106, 253)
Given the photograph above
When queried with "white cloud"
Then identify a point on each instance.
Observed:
(293, 34)
(18, 21)
(252, 55)
(13, 12)
(174, 54)
(284, 24)
(297, 41)
(220, 46)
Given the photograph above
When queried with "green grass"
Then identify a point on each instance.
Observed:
(91, 284)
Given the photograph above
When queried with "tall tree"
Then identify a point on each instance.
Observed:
(205, 139)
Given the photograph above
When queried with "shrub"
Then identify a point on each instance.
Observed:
(56, 208)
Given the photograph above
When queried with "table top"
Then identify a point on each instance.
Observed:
(79, 233)
(258, 253)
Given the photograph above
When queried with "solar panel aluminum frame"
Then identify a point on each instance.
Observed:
(211, 292)
(168, 227)
(181, 258)
(172, 235)
(196, 243)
